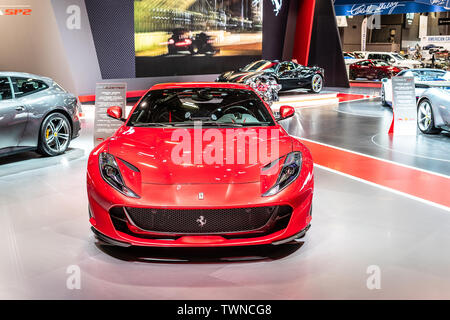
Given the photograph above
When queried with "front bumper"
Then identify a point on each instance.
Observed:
(102, 199)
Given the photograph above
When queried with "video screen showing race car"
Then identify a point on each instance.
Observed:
(195, 36)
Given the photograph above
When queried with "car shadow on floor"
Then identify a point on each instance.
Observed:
(25, 161)
(18, 157)
(201, 255)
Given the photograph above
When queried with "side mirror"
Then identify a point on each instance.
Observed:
(115, 113)
(286, 112)
(391, 60)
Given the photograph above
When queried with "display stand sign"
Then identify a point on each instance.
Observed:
(108, 95)
(404, 120)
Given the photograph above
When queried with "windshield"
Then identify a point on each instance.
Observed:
(258, 65)
(210, 106)
(379, 63)
(399, 56)
(426, 75)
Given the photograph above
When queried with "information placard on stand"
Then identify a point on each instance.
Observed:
(404, 106)
(107, 95)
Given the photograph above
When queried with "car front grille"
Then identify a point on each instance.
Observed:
(205, 221)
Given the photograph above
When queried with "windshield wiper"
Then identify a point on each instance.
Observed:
(257, 124)
(221, 124)
(152, 124)
(209, 123)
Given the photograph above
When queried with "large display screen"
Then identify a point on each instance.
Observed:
(188, 37)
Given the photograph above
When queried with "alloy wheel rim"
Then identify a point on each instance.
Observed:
(424, 116)
(317, 83)
(57, 134)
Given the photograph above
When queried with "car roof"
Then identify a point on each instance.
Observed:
(175, 85)
(23, 75)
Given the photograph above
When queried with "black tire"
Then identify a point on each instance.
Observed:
(352, 75)
(429, 127)
(383, 97)
(45, 145)
(381, 75)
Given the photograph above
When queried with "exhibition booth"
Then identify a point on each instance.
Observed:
(224, 149)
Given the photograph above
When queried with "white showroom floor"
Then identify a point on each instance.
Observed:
(44, 232)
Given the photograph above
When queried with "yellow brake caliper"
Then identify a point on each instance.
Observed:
(47, 133)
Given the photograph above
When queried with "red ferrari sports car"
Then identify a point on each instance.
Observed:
(198, 165)
(372, 69)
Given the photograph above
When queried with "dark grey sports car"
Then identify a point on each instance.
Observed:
(36, 114)
(288, 74)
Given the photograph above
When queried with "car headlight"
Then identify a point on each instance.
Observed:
(289, 172)
(111, 174)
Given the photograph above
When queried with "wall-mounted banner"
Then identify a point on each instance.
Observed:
(107, 95)
(444, 21)
(364, 34)
(423, 26)
(381, 8)
(443, 41)
(404, 106)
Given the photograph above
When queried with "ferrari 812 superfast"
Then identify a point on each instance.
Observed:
(198, 165)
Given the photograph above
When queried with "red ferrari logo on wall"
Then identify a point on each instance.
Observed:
(15, 11)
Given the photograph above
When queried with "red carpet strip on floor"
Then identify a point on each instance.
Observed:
(365, 84)
(350, 97)
(415, 182)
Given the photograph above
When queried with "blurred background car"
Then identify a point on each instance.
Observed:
(350, 58)
(179, 42)
(393, 58)
(372, 69)
(289, 74)
(36, 114)
(423, 80)
(182, 43)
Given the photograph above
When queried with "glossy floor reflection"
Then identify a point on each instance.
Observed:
(44, 230)
(362, 126)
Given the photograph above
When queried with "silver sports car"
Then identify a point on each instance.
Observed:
(36, 114)
(433, 110)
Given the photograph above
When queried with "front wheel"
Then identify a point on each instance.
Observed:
(425, 118)
(55, 135)
(316, 83)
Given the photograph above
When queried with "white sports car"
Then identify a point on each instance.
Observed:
(423, 79)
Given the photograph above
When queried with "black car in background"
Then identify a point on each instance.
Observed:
(181, 43)
(290, 75)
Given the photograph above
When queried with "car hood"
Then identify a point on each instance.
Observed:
(238, 76)
(151, 151)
